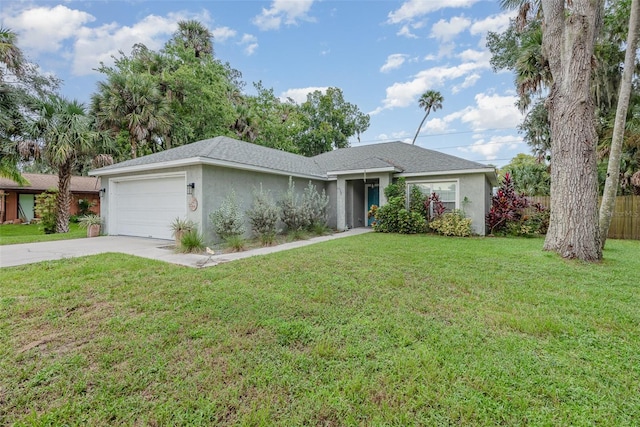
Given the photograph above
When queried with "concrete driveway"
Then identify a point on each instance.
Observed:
(28, 253)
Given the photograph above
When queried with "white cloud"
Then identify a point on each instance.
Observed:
(469, 81)
(222, 34)
(492, 111)
(283, 11)
(491, 148)
(299, 95)
(250, 43)
(43, 29)
(63, 31)
(412, 9)
(477, 56)
(394, 61)
(496, 23)
(447, 30)
(405, 31)
(94, 45)
(404, 94)
(435, 125)
(395, 136)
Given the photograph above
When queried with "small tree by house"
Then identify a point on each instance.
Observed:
(228, 223)
(264, 216)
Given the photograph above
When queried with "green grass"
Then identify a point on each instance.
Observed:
(369, 330)
(11, 234)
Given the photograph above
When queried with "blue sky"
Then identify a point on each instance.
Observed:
(382, 54)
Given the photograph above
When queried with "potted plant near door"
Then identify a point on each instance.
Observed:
(180, 227)
(92, 223)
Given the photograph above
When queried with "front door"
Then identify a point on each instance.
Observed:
(373, 198)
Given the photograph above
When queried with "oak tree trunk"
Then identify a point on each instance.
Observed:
(613, 168)
(568, 44)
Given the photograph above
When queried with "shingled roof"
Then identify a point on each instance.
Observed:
(406, 157)
(43, 182)
(400, 156)
(224, 149)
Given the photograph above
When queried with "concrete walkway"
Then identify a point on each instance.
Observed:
(28, 253)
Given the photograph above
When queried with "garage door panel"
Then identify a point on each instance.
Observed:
(146, 207)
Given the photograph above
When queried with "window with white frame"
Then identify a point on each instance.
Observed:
(447, 191)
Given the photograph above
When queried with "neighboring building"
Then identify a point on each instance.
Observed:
(18, 202)
(144, 195)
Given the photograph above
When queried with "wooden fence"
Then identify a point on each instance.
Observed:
(625, 221)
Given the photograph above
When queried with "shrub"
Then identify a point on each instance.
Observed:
(295, 213)
(227, 220)
(235, 242)
(191, 241)
(506, 207)
(434, 207)
(418, 201)
(46, 210)
(395, 218)
(531, 223)
(84, 207)
(316, 206)
(396, 189)
(452, 224)
(264, 216)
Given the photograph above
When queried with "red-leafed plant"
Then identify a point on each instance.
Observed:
(434, 207)
(507, 207)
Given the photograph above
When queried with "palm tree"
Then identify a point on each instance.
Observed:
(11, 117)
(10, 54)
(67, 133)
(430, 100)
(132, 102)
(192, 34)
(613, 170)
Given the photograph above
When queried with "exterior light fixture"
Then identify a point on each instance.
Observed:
(102, 191)
(190, 187)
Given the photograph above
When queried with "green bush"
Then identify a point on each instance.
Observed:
(452, 224)
(264, 216)
(418, 201)
(295, 213)
(227, 220)
(235, 242)
(316, 206)
(395, 218)
(46, 210)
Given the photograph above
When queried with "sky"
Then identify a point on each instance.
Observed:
(382, 54)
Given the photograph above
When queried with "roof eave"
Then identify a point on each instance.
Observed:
(364, 171)
(489, 172)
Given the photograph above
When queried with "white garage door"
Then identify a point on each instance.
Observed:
(146, 207)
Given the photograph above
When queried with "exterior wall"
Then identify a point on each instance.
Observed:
(473, 197)
(355, 208)
(219, 182)
(93, 198)
(10, 212)
(331, 188)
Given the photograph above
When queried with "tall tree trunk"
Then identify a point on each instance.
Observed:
(420, 127)
(613, 169)
(568, 44)
(134, 146)
(63, 199)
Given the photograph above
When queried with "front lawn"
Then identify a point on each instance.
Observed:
(368, 330)
(12, 234)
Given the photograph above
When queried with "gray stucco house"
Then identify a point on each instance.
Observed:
(141, 197)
